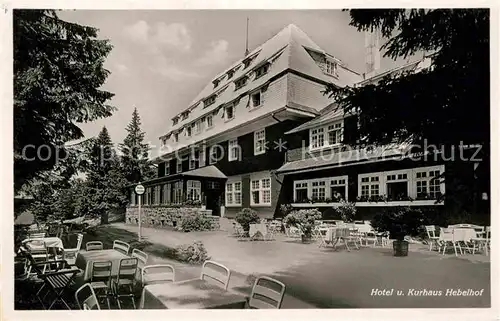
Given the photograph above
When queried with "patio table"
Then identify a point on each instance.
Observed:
(466, 234)
(37, 244)
(190, 294)
(336, 234)
(84, 261)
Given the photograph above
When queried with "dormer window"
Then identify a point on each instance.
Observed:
(261, 71)
(188, 131)
(240, 83)
(331, 68)
(176, 137)
(209, 121)
(327, 136)
(229, 112)
(175, 121)
(256, 99)
(216, 83)
(209, 101)
(230, 74)
(185, 115)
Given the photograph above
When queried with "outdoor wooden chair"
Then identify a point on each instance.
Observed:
(321, 234)
(70, 254)
(159, 273)
(142, 261)
(431, 235)
(94, 246)
(121, 246)
(267, 293)
(123, 285)
(482, 241)
(56, 281)
(90, 301)
(449, 237)
(100, 280)
(216, 273)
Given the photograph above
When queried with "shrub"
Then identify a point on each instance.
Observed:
(304, 219)
(347, 211)
(192, 253)
(246, 217)
(195, 222)
(399, 221)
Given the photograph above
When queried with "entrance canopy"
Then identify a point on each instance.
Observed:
(207, 171)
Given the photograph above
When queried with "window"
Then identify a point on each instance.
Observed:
(330, 135)
(201, 157)
(167, 190)
(338, 189)
(256, 99)
(403, 185)
(370, 186)
(209, 101)
(210, 121)
(234, 150)
(260, 191)
(178, 197)
(175, 121)
(198, 126)
(216, 83)
(167, 168)
(194, 190)
(185, 115)
(334, 134)
(261, 71)
(188, 131)
(233, 194)
(317, 138)
(229, 112)
(179, 165)
(192, 162)
(331, 68)
(428, 185)
(319, 190)
(176, 137)
(152, 191)
(301, 192)
(240, 83)
(260, 142)
(230, 74)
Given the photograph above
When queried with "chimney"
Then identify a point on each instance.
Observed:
(372, 53)
(246, 42)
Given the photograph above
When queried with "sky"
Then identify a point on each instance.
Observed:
(161, 59)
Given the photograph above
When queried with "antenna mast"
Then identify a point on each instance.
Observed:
(246, 44)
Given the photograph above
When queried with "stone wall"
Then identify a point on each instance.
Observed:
(162, 216)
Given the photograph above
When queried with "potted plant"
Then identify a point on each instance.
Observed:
(346, 210)
(304, 220)
(399, 222)
(246, 217)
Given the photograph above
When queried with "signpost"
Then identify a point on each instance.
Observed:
(139, 190)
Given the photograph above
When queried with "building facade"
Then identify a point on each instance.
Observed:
(262, 134)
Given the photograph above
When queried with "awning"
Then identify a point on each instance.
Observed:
(350, 157)
(208, 171)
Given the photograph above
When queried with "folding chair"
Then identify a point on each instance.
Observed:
(159, 273)
(216, 273)
(448, 236)
(267, 293)
(121, 246)
(142, 260)
(101, 278)
(125, 280)
(70, 254)
(431, 235)
(322, 235)
(352, 236)
(57, 281)
(90, 302)
(94, 246)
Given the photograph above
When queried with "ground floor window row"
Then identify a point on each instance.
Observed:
(170, 193)
(260, 192)
(420, 183)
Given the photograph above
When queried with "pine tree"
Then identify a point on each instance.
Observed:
(105, 179)
(134, 152)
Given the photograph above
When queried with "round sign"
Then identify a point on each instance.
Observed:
(139, 189)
